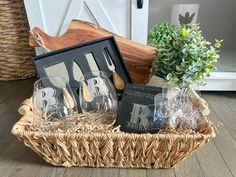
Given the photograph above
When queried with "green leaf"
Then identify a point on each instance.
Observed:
(185, 32)
(217, 44)
(168, 76)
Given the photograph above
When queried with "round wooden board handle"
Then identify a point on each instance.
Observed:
(26, 106)
(199, 102)
(23, 109)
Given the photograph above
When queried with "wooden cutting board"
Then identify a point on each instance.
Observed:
(138, 57)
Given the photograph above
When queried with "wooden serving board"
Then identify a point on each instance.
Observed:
(138, 57)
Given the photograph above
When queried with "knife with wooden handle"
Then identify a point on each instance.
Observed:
(77, 72)
(53, 71)
(117, 80)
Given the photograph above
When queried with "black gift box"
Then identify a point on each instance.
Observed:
(77, 55)
(134, 98)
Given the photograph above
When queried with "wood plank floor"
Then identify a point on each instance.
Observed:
(216, 159)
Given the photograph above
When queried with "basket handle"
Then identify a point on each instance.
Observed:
(26, 106)
(199, 102)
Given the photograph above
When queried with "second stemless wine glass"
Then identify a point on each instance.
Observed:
(98, 99)
(53, 102)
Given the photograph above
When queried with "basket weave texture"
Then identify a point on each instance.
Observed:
(15, 53)
(111, 148)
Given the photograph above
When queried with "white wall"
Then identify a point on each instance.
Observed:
(217, 18)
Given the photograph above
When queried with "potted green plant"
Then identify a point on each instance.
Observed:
(185, 57)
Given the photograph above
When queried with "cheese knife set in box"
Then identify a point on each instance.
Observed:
(92, 79)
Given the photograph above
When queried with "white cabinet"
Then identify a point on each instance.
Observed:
(122, 17)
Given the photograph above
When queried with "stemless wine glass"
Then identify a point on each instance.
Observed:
(54, 103)
(98, 99)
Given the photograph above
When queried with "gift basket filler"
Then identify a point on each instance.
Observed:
(94, 103)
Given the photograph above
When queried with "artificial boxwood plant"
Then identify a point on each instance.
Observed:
(185, 56)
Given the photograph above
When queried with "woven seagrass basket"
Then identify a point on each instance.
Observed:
(109, 148)
(15, 53)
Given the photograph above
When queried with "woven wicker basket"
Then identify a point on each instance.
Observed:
(15, 53)
(109, 149)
